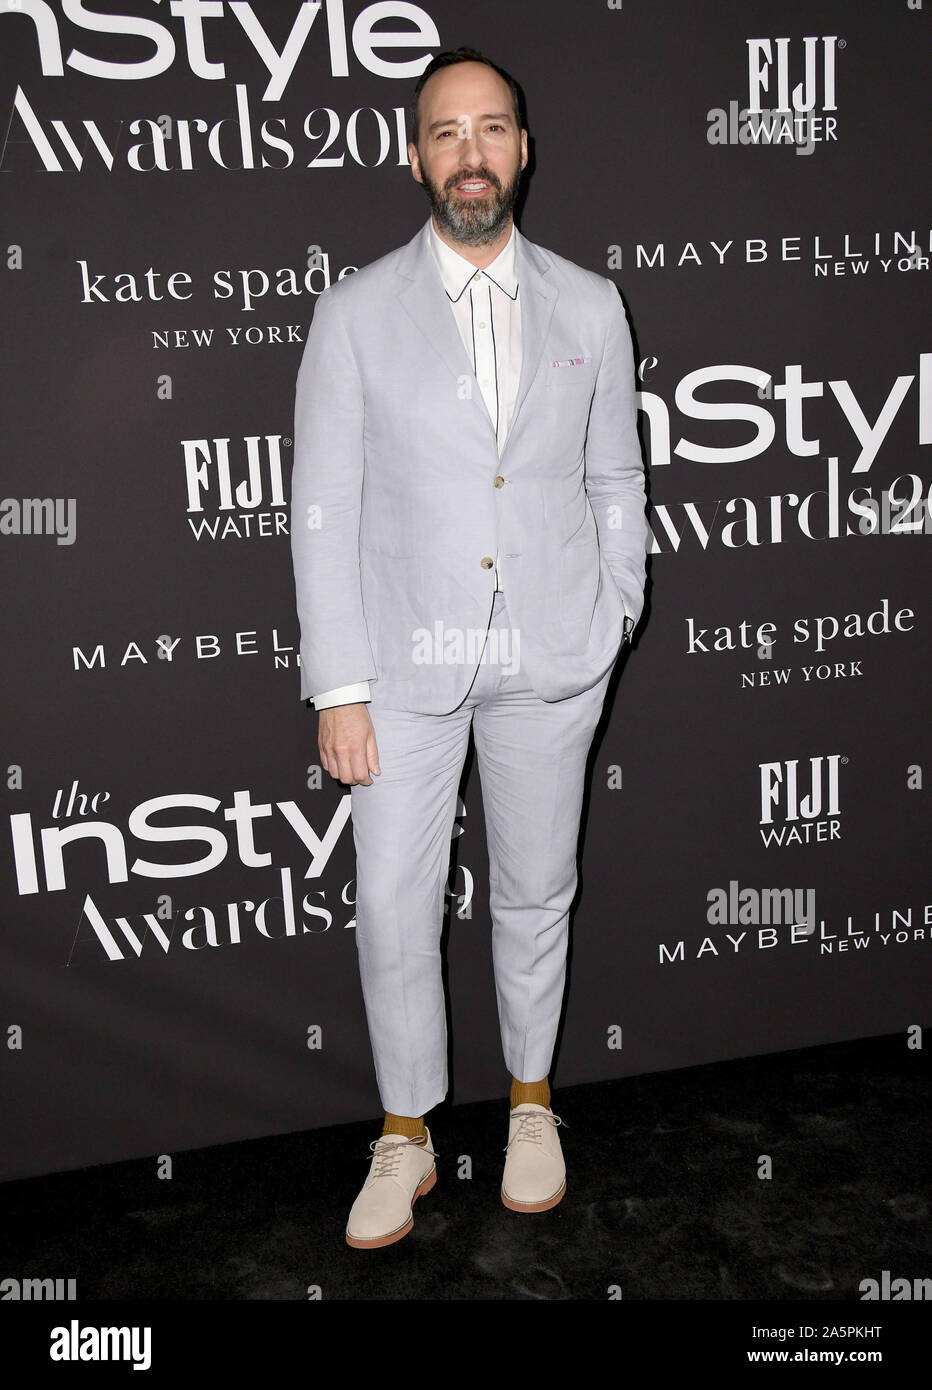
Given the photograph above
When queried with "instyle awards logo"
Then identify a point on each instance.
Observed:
(37, 138)
(148, 854)
(799, 800)
(165, 840)
(843, 496)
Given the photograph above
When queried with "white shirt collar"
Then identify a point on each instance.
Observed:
(456, 272)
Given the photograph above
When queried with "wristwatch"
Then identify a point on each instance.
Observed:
(629, 628)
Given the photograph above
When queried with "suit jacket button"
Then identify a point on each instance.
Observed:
(487, 563)
(498, 480)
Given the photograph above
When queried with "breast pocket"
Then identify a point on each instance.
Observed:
(579, 374)
(570, 388)
(564, 400)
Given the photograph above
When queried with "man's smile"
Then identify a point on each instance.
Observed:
(473, 188)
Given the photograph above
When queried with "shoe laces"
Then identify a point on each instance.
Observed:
(530, 1127)
(388, 1156)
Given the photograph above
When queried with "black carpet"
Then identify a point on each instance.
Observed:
(663, 1202)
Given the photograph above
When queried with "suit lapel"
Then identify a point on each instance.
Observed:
(423, 298)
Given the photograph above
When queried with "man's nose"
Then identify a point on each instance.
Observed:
(469, 150)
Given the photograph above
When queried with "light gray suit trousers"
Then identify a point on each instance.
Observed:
(531, 756)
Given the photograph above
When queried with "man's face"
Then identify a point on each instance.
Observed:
(470, 152)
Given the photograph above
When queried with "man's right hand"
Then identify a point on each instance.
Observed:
(346, 740)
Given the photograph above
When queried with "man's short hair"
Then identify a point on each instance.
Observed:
(466, 55)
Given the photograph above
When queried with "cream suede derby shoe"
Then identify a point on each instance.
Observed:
(402, 1170)
(535, 1173)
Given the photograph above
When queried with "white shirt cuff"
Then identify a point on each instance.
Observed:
(343, 695)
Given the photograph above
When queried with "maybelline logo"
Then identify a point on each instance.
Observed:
(850, 254)
(134, 652)
(241, 140)
(851, 935)
(799, 801)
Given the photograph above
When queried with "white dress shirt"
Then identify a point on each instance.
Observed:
(485, 307)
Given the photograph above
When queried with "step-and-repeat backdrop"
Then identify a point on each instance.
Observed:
(180, 182)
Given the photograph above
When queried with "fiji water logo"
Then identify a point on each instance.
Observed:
(799, 800)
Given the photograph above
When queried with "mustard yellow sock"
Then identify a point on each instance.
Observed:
(404, 1124)
(537, 1092)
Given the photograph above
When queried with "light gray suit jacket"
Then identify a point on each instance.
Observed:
(400, 500)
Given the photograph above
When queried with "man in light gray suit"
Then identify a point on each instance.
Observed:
(465, 438)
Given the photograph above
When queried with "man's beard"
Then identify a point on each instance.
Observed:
(472, 221)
